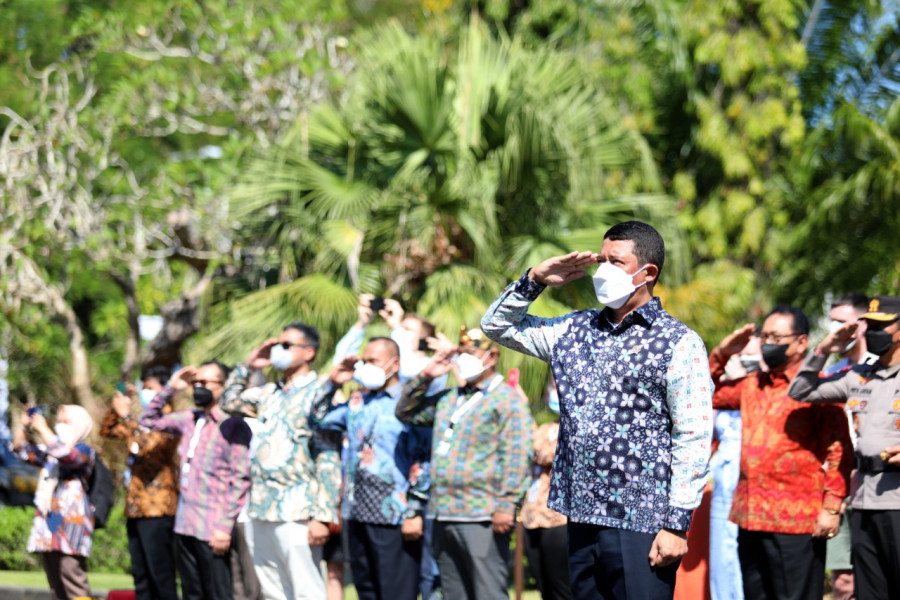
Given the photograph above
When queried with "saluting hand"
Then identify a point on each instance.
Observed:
(259, 356)
(735, 342)
(838, 340)
(183, 378)
(560, 270)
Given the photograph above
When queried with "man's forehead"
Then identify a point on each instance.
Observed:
(207, 371)
(617, 248)
(377, 349)
(845, 312)
(778, 323)
(292, 335)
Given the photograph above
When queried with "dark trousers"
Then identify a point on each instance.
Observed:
(473, 560)
(151, 543)
(384, 566)
(781, 565)
(547, 556)
(607, 563)
(204, 576)
(875, 549)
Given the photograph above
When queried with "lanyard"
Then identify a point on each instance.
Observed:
(192, 447)
(468, 404)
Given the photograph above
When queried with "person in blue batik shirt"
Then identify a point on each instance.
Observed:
(636, 414)
(386, 480)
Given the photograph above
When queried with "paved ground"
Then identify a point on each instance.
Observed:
(19, 593)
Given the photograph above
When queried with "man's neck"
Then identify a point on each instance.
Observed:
(891, 357)
(296, 372)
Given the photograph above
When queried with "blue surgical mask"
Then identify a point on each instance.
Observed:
(553, 401)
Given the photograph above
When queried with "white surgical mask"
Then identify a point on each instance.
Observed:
(834, 326)
(65, 433)
(613, 285)
(147, 397)
(369, 376)
(280, 357)
(469, 367)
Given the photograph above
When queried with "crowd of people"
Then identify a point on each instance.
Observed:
(412, 457)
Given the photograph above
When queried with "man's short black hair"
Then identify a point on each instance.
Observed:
(157, 372)
(391, 344)
(310, 333)
(648, 244)
(224, 369)
(801, 322)
(857, 300)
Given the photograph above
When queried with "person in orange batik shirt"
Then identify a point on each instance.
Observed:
(786, 504)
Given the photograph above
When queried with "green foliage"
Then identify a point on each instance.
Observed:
(449, 165)
(15, 526)
(109, 553)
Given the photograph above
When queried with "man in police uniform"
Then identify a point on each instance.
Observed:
(872, 393)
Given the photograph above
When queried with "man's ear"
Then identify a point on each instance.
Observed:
(309, 354)
(652, 274)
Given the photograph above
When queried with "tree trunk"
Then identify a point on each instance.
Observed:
(81, 372)
(133, 341)
(181, 319)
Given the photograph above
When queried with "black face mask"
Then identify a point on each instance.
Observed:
(202, 396)
(774, 355)
(878, 341)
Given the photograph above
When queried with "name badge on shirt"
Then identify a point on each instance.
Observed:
(185, 469)
(443, 448)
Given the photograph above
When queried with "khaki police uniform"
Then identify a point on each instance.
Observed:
(872, 395)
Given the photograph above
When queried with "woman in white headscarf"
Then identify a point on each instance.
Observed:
(63, 521)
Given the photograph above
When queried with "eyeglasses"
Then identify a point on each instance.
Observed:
(775, 338)
(207, 382)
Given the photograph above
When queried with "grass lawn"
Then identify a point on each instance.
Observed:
(103, 582)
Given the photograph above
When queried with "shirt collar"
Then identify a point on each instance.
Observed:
(786, 376)
(647, 313)
(392, 392)
(214, 415)
(299, 382)
(885, 372)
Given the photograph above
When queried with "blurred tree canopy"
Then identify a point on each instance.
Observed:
(233, 166)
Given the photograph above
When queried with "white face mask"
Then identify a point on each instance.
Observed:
(834, 326)
(369, 376)
(280, 357)
(147, 397)
(613, 285)
(65, 433)
(469, 367)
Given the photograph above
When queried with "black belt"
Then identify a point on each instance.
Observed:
(874, 464)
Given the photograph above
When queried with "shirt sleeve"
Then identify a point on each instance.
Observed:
(808, 386)
(689, 391)
(326, 452)
(239, 398)
(834, 434)
(112, 426)
(176, 422)
(728, 393)
(348, 345)
(417, 406)
(508, 323)
(236, 436)
(513, 452)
